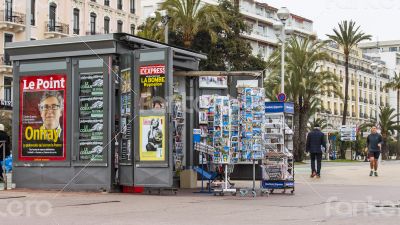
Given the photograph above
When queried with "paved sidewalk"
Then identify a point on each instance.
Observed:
(356, 173)
(344, 195)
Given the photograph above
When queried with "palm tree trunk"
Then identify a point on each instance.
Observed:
(346, 96)
(385, 149)
(303, 132)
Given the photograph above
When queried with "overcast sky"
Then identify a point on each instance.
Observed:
(379, 18)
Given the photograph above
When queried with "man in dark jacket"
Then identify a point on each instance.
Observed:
(374, 145)
(315, 139)
(3, 137)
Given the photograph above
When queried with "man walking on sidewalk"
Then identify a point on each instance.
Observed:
(315, 139)
(374, 145)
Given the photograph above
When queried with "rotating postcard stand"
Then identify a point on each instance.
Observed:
(153, 167)
(222, 141)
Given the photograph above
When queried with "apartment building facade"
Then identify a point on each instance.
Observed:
(22, 20)
(261, 19)
(367, 77)
(389, 52)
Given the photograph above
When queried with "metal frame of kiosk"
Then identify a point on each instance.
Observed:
(111, 58)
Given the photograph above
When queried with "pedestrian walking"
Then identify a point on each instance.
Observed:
(4, 137)
(315, 142)
(374, 147)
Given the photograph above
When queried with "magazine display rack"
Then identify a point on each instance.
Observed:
(178, 122)
(278, 165)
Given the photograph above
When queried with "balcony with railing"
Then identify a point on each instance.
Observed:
(12, 21)
(252, 12)
(385, 76)
(93, 33)
(56, 29)
(5, 64)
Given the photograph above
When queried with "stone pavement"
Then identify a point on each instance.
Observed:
(344, 195)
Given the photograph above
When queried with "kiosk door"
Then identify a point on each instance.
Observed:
(126, 120)
(152, 115)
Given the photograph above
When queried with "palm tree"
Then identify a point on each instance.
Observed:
(395, 85)
(304, 82)
(188, 17)
(348, 36)
(150, 29)
(387, 126)
(323, 124)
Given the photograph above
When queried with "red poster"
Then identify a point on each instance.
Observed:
(42, 126)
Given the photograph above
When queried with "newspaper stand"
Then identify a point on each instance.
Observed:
(278, 165)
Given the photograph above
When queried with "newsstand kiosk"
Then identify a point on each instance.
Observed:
(96, 112)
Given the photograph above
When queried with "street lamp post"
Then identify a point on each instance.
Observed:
(376, 68)
(164, 22)
(283, 15)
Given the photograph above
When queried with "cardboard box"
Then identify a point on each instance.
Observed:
(188, 179)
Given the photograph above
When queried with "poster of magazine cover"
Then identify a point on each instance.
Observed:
(213, 82)
(91, 150)
(205, 101)
(91, 107)
(152, 138)
(91, 129)
(125, 104)
(42, 124)
(91, 84)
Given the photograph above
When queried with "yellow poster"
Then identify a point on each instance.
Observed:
(152, 138)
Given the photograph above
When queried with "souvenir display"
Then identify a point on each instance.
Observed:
(126, 117)
(178, 132)
(251, 120)
(234, 129)
(222, 132)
